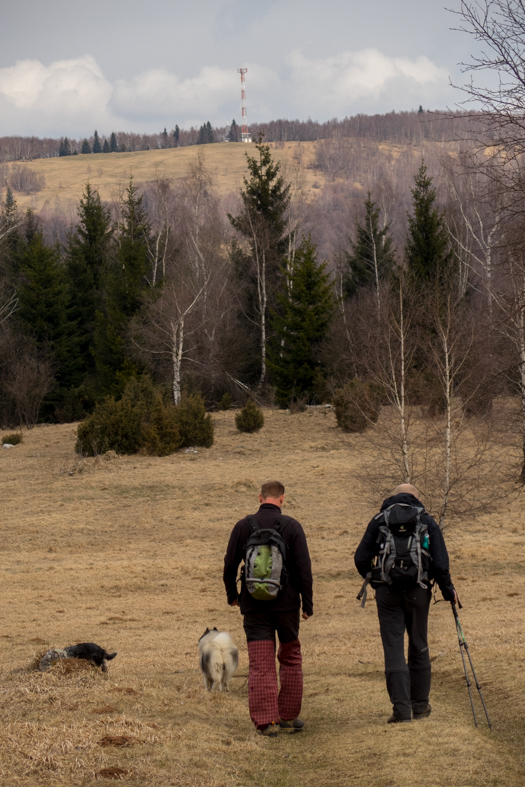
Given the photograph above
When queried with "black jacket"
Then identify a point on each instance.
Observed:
(439, 569)
(299, 585)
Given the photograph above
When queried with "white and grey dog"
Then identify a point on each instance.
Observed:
(218, 659)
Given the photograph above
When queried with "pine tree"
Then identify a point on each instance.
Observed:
(428, 252)
(305, 307)
(372, 257)
(113, 144)
(176, 135)
(97, 147)
(164, 139)
(88, 251)
(85, 147)
(105, 147)
(209, 132)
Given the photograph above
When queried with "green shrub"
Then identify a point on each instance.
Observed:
(356, 405)
(13, 439)
(250, 419)
(139, 421)
(195, 427)
(225, 402)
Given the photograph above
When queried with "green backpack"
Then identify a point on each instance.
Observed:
(264, 570)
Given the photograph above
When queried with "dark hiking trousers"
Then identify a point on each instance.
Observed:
(399, 611)
(267, 702)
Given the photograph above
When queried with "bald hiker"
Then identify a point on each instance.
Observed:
(276, 579)
(401, 553)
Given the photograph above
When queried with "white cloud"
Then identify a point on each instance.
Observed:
(356, 81)
(66, 97)
(74, 97)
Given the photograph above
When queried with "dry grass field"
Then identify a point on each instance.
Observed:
(65, 178)
(127, 552)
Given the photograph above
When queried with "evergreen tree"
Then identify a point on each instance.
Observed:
(164, 139)
(105, 147)
(65, 147)
(88, 251)
(113, 144)
(43, 312)
(97, 147)
(306, 306)
(9, 244)
(85, 147)
(262, 221)
(428, 252)
(372, 257)
(233, 134)
(176, 135)
(205, 134)
(125, 284)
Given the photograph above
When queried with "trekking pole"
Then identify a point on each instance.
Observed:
(463, 648)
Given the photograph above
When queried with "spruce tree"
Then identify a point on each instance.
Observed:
(43, 313)
(306, 305)
(428, 252)
(88, 251)
(85, 147)
(164, 139)
(372, 257)
(176, 135)
(113, 144)
(65, 147)
(97, 147)
(125, 285)
(262, 221)
(233, 134)
(105, 147)
(10, 222)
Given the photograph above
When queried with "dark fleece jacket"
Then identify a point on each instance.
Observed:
(299, 585)
(439, 570)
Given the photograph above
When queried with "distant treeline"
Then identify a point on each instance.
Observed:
(399, 127)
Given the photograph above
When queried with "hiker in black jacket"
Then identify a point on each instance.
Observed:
(403, 605)
(273, 711)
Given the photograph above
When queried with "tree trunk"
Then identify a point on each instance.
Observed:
(177, 346)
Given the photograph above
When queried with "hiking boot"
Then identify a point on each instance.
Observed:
(270, 731)
(395, 719)
(424, 713)
(296, 725)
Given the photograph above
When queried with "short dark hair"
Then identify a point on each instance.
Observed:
(273, 489)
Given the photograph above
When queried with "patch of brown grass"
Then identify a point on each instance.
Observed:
(132, 551)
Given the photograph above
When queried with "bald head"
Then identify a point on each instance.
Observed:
(406, 489)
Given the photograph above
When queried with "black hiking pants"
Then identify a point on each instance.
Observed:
(399, 611)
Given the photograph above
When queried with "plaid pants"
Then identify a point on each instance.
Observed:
(265, 701)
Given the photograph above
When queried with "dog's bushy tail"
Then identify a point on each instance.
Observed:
(110, 656)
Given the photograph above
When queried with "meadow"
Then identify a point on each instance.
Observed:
(109, 173)
(127, 552)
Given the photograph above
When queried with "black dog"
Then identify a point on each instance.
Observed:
(90, 652)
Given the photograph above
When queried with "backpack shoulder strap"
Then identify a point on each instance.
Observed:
(253, 523)
(281, 523)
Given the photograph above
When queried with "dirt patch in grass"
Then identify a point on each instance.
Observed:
(129, 554)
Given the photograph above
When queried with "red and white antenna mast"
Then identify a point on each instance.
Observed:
(245, 134)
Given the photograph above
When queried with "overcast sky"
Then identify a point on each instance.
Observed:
(68, 67)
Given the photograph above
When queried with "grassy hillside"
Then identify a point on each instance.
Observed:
(110, 172)
(127, 552)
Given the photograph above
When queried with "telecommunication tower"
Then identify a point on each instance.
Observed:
(245, 134)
